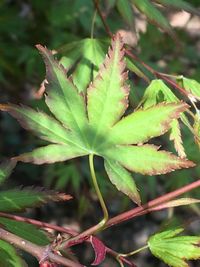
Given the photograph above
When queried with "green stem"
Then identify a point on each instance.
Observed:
(98, 227)
(93, 23)
(132, 252)
(101, 200)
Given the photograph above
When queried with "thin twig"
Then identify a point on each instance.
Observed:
(146, 207)
(107, 29)
(39, 224)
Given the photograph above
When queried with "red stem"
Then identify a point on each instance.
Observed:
(145, 208)
(107, 29)
(39, 223)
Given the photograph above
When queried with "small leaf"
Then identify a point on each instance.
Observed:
(153, 14)
(94, 51)
(18, 200)
(173, 250)
(6, 169)
(142, 125)
(158, 92)
(179, 4)
(25, 230)
(175, 136)
(85, 56)
(176, 203)
(122, 179)
(51, 153)
(108, 94)
(9, 257)
(196, 128)
(146, 159)
(190, 85)
(99, 249)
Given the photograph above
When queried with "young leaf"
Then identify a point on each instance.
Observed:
(93, 54)
(107, 96)
(9, 257)
(158, 92)
(196, 128)
(99, 249)
(89, 53)
(176, 203)
(144, 124)
(6, 169)
(174, 250)
(19, 200)
(146, 159)
(122, 179)
(190, 85)
(175, 136)
(153, 14)
(25, 230)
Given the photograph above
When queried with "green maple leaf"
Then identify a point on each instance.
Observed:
(93, 123)
(175, 250)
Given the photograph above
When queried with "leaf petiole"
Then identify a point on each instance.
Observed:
(132, 252)
(99, 195)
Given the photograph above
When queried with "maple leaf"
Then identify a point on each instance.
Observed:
(93, 124)
(174, 250)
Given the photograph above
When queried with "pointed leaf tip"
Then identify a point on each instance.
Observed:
(146, 159)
